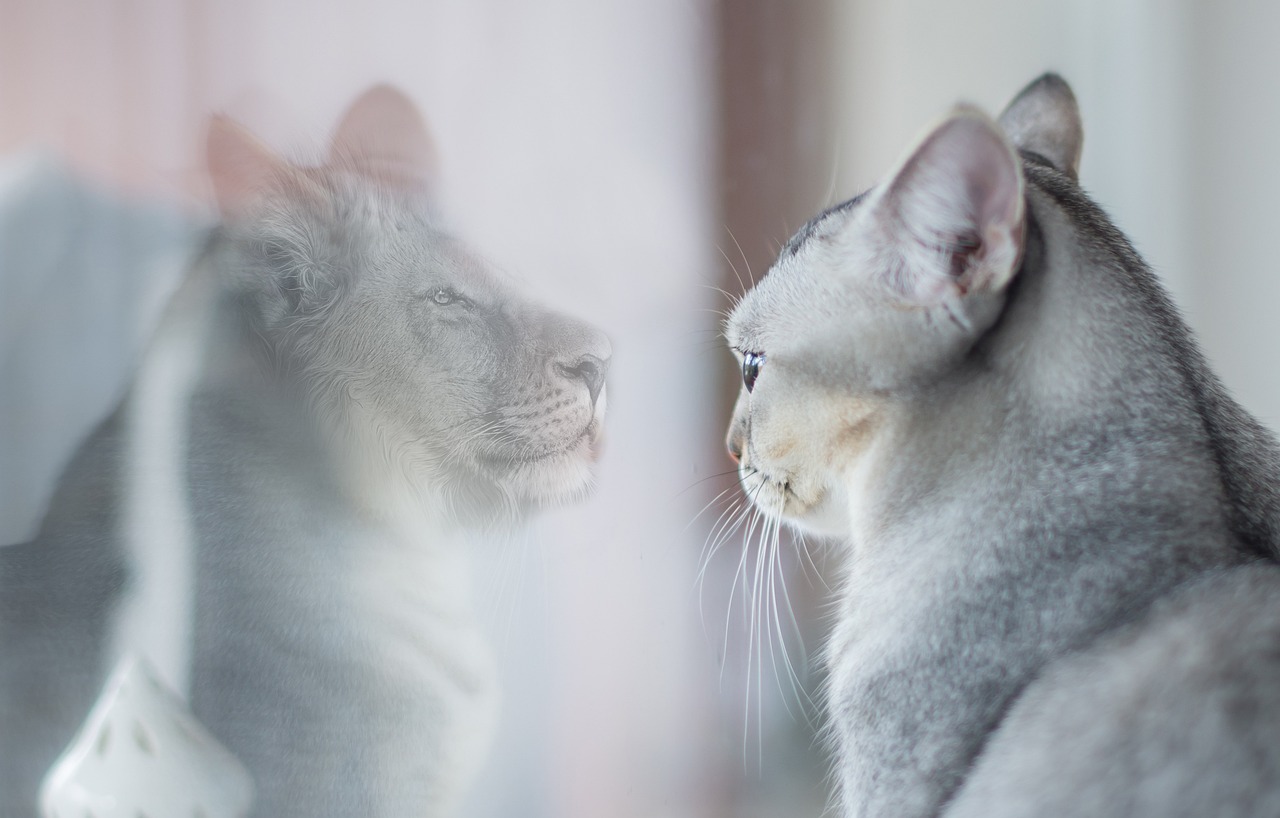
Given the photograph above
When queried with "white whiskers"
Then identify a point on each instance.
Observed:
(768, 617)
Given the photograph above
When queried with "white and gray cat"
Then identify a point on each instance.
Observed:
(1060, 593)
(339, 392)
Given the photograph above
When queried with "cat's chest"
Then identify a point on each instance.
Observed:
(406, 591)
(410, 605)
(368, 601)
(408, 596)
(901, 598)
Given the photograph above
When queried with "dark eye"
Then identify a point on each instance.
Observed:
(751, 364)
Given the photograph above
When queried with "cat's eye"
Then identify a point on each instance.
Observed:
(751, 364)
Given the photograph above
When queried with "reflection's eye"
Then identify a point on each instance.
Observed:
(751, 364)
(444, 297)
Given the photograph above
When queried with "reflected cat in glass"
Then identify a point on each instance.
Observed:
(278, 513)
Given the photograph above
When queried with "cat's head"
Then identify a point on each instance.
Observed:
(405, 339)
(879, 297)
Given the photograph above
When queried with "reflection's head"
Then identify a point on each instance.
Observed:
(396, 329)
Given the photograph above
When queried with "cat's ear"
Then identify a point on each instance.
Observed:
(286, 273)
(1044, 119)
(239, 165)
(383, 136)
(950, 222)
(243, 169)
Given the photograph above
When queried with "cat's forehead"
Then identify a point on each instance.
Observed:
(821, 224)
(437, 257)
(800, 288)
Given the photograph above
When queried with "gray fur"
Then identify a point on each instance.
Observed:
(369, 394)
(1044, 120)
(1055, 514)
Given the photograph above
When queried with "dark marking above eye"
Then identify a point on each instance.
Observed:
(805, 233)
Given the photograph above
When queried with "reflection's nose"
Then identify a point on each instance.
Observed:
(580, 352)
(590, 370)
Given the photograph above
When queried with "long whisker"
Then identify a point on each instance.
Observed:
(720, 533)
(745, 262)
(741, 284)
(702, 480)
(807, 706)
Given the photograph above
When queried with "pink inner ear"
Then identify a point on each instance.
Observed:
(240, 166)
(998, 190)
(954, 210)
(384, 136)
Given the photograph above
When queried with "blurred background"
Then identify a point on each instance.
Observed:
(637, 163)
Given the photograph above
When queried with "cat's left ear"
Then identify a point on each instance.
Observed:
(1044, 119)
(383, 136)
(951, 220)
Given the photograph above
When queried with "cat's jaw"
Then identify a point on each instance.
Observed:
(812, 507)
(555, 479)
(397, 479)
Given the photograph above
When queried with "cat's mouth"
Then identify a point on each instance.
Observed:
(767, 493)
(585, 444)
(813, 508)
(549, 477)
(554, 479)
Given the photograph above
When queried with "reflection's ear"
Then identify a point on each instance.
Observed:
(239, 165)
(288, 270)
(384, 136)
(950, 222)
(243, 169)
(1044, 119)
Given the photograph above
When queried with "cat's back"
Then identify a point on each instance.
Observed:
(1175, 715)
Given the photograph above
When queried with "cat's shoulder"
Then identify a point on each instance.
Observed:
(1208, 653)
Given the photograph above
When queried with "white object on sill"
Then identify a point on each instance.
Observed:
(142, 753)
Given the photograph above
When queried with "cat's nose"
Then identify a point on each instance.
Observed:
(590, 370)
(735, 449)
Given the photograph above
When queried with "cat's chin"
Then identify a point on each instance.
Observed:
(557, 479)
(814, 512)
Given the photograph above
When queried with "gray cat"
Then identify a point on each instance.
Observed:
(337, 396)
(1060, 593)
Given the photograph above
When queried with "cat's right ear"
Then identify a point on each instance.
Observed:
(951, 220)
(384, 136)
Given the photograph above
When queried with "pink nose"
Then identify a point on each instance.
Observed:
(735, 452)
